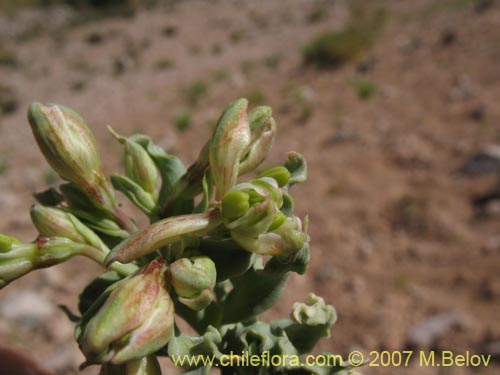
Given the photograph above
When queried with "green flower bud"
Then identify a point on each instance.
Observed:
(70, 149)
(145, 366)
(139, 166)
(162, 233)
(264, 200)
(263, 132)
(22, 258)
(194, 280)
(235, 204)
(136, 320)
(280, 174)
(279, 219)
(314, 313)
(6, 242)
(229, 141)
(54, 222)
(288, 238)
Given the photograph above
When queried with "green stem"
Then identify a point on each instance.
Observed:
(99, 256)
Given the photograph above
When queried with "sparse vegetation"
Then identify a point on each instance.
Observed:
(220, 75)
(316, 15)
(8, 58)
(334, 48)
(8, 100)
(164, 63)
(78, 85)
(303, 102)
(247, 66)
(94, 37)
(273, 61)
(182, 120)
(237, 36)
(194, 92)
(364, 88)
(169, 31)
(3, 165)
(216, 49)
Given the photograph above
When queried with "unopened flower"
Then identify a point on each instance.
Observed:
(162, 233)
(70, 148)
(252, 213)
(262, 135)
(54, 222)
(193, 280)
(139, 166)
(136, 320)
(229, 142)
(288, 238)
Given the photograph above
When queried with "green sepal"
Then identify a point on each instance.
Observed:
(207, 185)
(170, 167)
(133, 191)
(80, 206)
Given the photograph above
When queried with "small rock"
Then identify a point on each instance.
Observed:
(477, 114)
(490, 289)
(26, 308)
(425, 333)
(326, 273)
(492, 208)
(447, 38)
(357, 284)
(365, 249)
(485, 161)
(63, 360)
(492, 245)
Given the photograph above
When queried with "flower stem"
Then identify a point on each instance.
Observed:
(98, 256)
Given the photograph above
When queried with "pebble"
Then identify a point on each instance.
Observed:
(26, 308)
(425, 333)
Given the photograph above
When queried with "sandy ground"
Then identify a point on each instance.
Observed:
(396, 241)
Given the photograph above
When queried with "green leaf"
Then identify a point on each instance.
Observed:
(255, 292)
(182, 346)
(297, 166)
(133, 191)
(49, 197)
(230, 259)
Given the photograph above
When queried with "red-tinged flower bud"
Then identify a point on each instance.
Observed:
(70, 148)
(230, 140)
(136, 320)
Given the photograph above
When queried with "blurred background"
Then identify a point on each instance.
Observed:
(395, 104)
